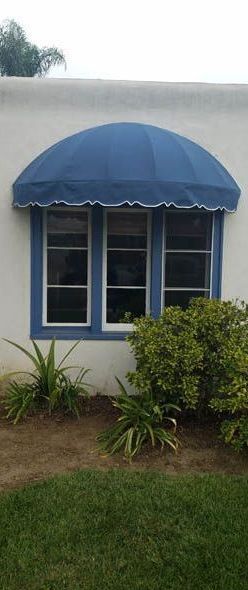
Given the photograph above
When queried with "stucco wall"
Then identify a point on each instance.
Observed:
(36, 113)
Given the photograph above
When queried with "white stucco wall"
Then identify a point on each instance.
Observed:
(36, 113)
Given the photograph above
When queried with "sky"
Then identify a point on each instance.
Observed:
(161, 40)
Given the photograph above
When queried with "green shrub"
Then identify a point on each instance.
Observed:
(142, 419)
(221, 328)
(232, 401)
(168, 357)
(191, 356)
(197, 358)
(235, 432)
(50, 386)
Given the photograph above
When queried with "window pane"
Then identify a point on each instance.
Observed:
(126, 265)
(187, 270)
(126, 268)
(67, 267)
(127, 230)
(121, 301)
(66, 305)
(182, 298)
(67, 228)
(188, 231)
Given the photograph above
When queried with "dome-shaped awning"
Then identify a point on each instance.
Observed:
(128, 163)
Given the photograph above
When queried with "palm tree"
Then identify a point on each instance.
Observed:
(19, 57)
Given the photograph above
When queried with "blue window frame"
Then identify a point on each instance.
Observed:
(95, 330)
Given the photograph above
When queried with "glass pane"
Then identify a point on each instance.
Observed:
(127, 230)
(121, 301)
(67, 228)
(66, 306)
(182, 298)
(67, 267)
(187, 270)
(188, 231)
(126, 268)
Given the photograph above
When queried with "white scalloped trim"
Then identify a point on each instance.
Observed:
(33, 203)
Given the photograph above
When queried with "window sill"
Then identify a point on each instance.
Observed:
(64, 333)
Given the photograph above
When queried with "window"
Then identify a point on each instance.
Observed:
(94, 269)
(187, 256)
(126, 255)
(66, 267)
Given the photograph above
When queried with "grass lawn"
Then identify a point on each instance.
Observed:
(119, 530)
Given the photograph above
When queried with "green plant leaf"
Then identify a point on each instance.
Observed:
(150, 430)
(8, 375)
(26, 352)
(40, 357)
(69, 352)
(137, 424)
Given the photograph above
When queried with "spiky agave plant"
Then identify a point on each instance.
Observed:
(19, 399)
(48, 382)
(142, 419)
(70, 392)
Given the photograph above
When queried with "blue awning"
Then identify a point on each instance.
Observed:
(127, 163)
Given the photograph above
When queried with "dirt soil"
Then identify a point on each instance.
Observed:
(40, 447)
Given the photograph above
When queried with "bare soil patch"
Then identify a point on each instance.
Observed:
(40, 447)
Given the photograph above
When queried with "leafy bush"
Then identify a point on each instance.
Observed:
(193, 355)
(235, 432)
(50, 386)
(232, 401)
(197, 358)
(168, 356)
(221, 329)
(141, 419)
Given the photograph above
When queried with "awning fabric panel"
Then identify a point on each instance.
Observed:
(127, 163)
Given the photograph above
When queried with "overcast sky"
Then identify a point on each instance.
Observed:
(172, 40)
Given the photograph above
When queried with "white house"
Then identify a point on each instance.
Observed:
(117, 198)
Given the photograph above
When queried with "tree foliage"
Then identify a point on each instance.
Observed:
(19, 57)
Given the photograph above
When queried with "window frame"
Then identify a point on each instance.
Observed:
(121, 327)
(45, 323)
(95, 331)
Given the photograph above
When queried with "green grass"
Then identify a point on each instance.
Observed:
(124, 530)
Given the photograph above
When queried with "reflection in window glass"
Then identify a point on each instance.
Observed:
(187, 269)
(67, 306)
(187, 256)
(188, 230)
(181, 298)
(126, 268)
(126, 261)
(67, 228)
(127, 230)
(125, 301)
(67, 266)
